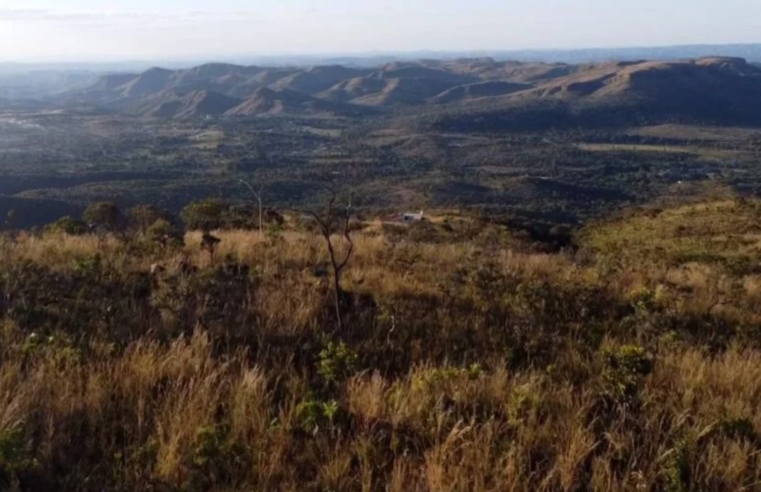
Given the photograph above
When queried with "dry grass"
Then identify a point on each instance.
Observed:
(702, 152)
(689, 132)
(465, 365)
(603, 147)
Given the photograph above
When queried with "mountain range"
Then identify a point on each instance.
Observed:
(712, 88)
(749, 51)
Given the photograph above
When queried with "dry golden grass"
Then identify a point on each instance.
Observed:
(465, 365)
(689, 132)
(708, 153)
(602, 147)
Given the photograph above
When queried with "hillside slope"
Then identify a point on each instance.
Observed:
(270, 102)
(496, 94)
(317, 79)
(192, 105)
(466, 360)
(711, 90)
(475, 91)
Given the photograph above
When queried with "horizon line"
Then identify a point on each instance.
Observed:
(359, 54)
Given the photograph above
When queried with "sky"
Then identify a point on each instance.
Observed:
(102, 30)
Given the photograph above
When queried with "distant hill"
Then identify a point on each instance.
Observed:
(149, 82)
(713, 90)
(749, 51)
(270, 102)
(496, 93)
(420, 71)
(317, 79)
(509, 71)
(402, 82)
(398, 84)
(349, 90)
(482, 89)
(112, 81)
(193, 104)
(378, 91)
(666, 83)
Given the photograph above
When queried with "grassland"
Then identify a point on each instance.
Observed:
(468, 359)
(53, 162)
(634, 148)
(695, 132)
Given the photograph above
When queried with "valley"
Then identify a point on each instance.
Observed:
(544, 143)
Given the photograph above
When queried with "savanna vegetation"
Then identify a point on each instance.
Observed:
(458, 354)
(54, 164)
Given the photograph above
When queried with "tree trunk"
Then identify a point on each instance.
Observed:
(337, 287)
(261, 223)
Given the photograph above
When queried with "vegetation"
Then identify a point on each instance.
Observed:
(579, 312)
(551, 144)
(468, 358)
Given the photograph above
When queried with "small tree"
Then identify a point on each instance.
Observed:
(142, 217)
(68, 225)
(258, 195)
(104, 215)
(239, 216)
(209, 244)
(330, 223)
(206, 215)
(164, 234)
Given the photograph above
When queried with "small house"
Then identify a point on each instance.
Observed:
(412, 217)
(404, 218)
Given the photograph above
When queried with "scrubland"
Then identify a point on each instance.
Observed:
(468, 360)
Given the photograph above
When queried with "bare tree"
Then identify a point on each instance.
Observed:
(258, 195)
(328, 226)
(209, 244)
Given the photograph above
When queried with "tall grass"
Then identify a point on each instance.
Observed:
(465, 365)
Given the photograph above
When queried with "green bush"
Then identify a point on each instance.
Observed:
(105, 215)
(216, 458)
(16, 455)
(143, 217)
(67, 225)
(314, 415)
(209, 215)
(164, 234)
(625, 370)
(337, 362)
(203, 216)
(676, 470)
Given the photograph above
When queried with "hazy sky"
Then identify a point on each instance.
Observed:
(66, 30)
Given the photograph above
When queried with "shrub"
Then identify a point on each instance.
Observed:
(216, 214)
(143, 217)
(203, 216)
(337, 362)
(624, 372)
(105, 215)
(68, 225)
(16, 455)
(676, 470)
(314, 415)
(216, 459)
(165, 235)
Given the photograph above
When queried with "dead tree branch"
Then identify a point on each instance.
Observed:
(326, 224)
(258, 195)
